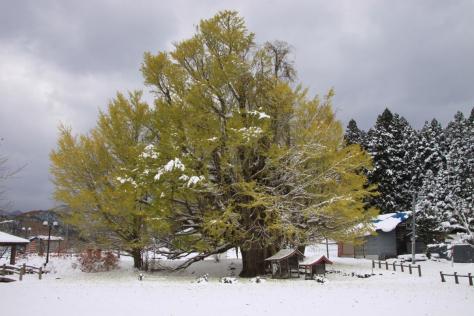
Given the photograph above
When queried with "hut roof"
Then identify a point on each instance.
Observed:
(7, 239)
(310, 261)
(283, 254)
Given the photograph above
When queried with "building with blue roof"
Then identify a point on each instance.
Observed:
(391, 238)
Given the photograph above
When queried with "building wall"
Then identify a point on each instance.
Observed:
(41, 246)
(345, 250)
(382, 246)
(463, 253)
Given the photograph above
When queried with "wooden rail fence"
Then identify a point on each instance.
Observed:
(21, 270)
(394, 265)
(456, 277)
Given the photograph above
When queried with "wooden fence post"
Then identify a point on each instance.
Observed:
(380, 264)
(386, 265)
(419, 271)
(394, 266)
(22, 271)
(409, 268)
(40, 273)
(456, 279)
(470, 279)
(442, 276)
(401, 266)
(373, 264)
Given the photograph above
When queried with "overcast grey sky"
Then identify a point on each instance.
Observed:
(61, 61)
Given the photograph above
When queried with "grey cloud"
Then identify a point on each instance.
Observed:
(412, 57)
(88, 36)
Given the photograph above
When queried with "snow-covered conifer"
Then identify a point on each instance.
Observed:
(354, 135)
(391, 143)
(429, 152)
(460, 174)
(429, 210)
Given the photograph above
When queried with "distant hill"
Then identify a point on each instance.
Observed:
(9, 213)
(32, 219)
(58, 209)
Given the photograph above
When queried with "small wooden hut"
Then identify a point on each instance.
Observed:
(314, 266)
(392, 239)
(285, 263)
(7, 240)
(39, 244)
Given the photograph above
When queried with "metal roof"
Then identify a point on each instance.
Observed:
(283, 254)
(388, 222)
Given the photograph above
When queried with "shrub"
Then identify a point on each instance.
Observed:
(92, 261)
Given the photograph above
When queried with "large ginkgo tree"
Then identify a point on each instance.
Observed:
(231, 154)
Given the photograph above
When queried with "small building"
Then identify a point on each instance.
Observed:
(314, 265)
(462, 253)
(12, 241)
(392, 239)
(285, 263)
(39, 244)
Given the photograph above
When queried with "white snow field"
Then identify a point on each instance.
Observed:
(68, 291)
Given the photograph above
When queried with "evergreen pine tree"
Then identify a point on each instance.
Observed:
(429, 152)
(391, 143)
(406, 142)
(460, 174)
(381, 175)
(429, 210)
(354, 135)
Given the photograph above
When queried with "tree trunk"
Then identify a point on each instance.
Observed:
(13, 255)
(253, 261)
(137, 258)
(302, 249)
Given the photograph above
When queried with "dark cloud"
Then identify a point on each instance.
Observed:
(61, 61)
(414, 57)
(88, 36)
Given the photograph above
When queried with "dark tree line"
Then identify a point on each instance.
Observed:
(434, 164)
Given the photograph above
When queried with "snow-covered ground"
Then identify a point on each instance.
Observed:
(68, 291)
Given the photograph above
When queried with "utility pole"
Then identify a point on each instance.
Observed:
(49, 240)
(50, 225)
(67, 239)
(327, 247)
(413, 230)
